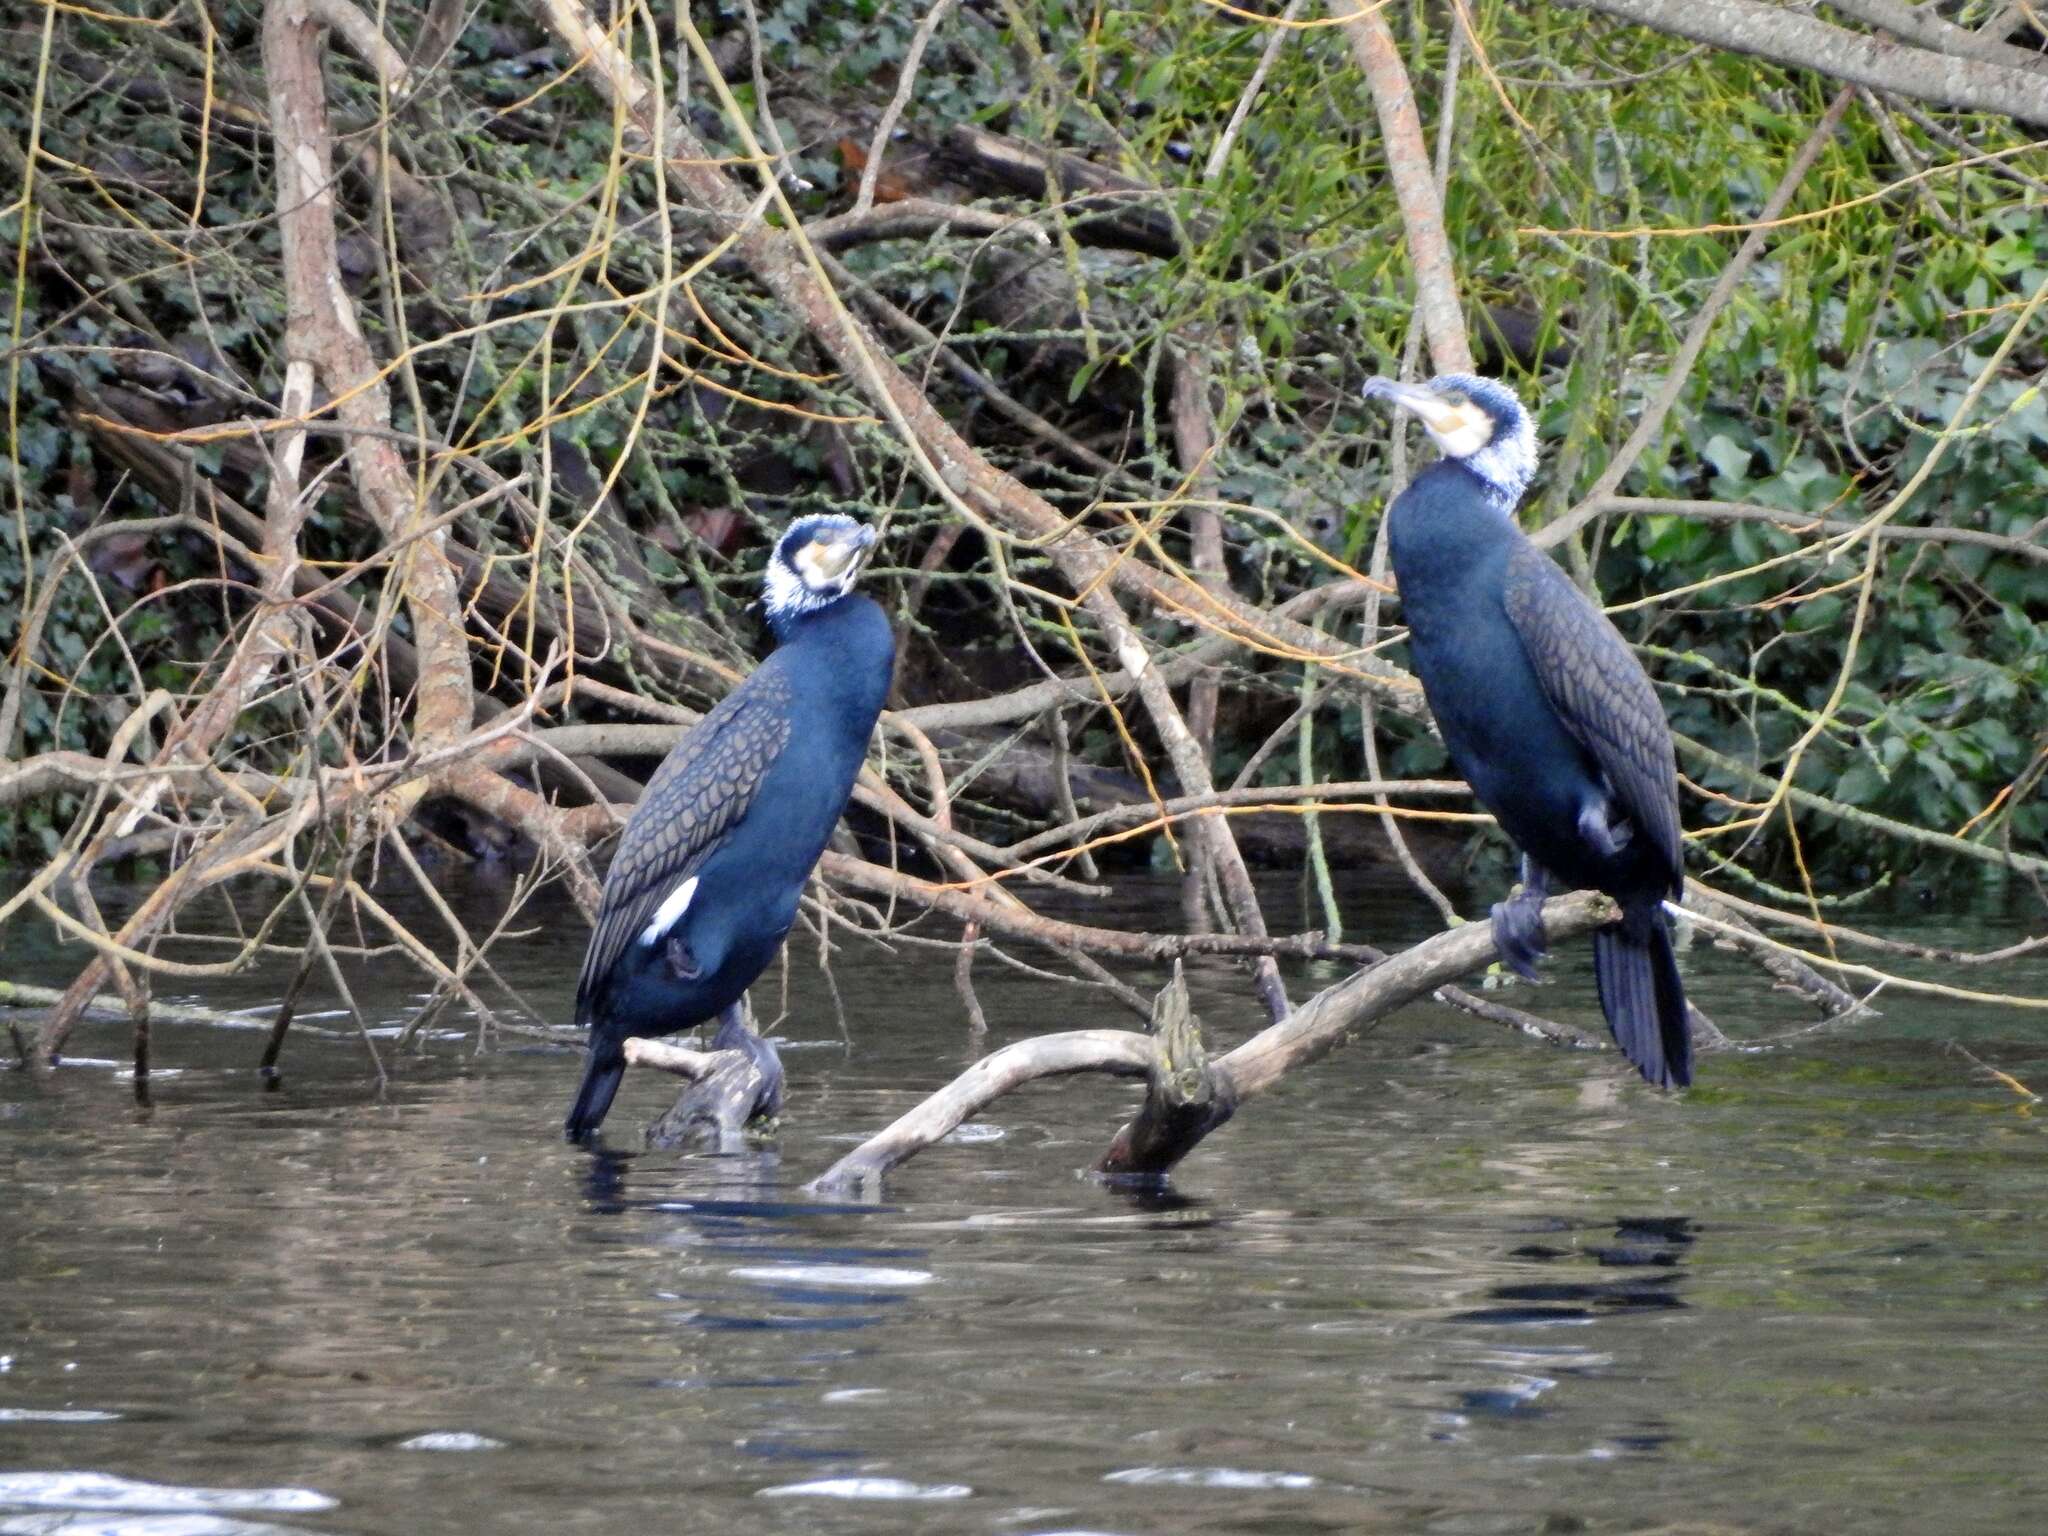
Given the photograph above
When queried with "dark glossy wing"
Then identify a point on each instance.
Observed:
(698, 794)
(1600, 691)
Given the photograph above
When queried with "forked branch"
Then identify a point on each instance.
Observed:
(1189, 1095)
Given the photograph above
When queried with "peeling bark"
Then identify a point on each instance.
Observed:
(1184, 1098)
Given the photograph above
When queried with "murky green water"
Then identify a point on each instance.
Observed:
(1448, 1281)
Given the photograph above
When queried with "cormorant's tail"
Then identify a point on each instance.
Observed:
(603, 1066)
(1641, 995)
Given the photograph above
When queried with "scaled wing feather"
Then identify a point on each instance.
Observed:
(1599, 690)
(698, 795)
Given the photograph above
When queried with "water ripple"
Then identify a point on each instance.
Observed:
(101, 1490)
(974, 1135)
(1209, 1477)
(834, 1274)
(56, 1416)
(866, 1488)
(64, 1524)
(451, 1440)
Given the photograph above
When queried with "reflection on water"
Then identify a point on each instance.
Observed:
(1560, 1300)
(1445, 1282)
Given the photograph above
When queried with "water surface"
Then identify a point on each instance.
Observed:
(1447, 1281)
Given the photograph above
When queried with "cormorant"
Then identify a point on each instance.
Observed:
(712, 863)
(1545, 711)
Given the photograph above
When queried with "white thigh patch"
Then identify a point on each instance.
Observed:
(670, 912)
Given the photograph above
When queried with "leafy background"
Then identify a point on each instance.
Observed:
(148, 265)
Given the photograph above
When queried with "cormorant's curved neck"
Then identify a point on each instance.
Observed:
(1460, 479)
(791, 624)
(1501, 483)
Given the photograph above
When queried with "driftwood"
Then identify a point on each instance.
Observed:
(1188, 1095)
(1185, 1098)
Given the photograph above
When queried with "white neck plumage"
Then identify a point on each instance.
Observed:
(1505, 467)
(787, 597)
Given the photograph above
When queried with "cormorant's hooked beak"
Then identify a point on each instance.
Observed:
(1439, 415)
(841, 556)
(1461, 428)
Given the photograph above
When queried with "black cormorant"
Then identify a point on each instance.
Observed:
(1545, 711)
(709, 870)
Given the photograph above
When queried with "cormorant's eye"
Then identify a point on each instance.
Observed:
(1456, 397)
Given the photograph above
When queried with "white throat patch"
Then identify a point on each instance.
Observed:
(1505, 460)
(1507, 465)
(790, 589)
(1465, 439)
(1479, 423)
(784, 592)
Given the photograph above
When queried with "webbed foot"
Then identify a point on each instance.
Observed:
(1518, 924)
(745, 1086)
(734, 1035)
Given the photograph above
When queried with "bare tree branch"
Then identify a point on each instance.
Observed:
(1119, 1052)
(358, 30)
(2029, 550)
(1408, 166)
(323, 331)
(1329, 1019)
(1793, 37)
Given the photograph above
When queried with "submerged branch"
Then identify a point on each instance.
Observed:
(1210, 1089)
(1119, 1052)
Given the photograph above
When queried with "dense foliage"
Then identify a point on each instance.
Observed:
(548, 320)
